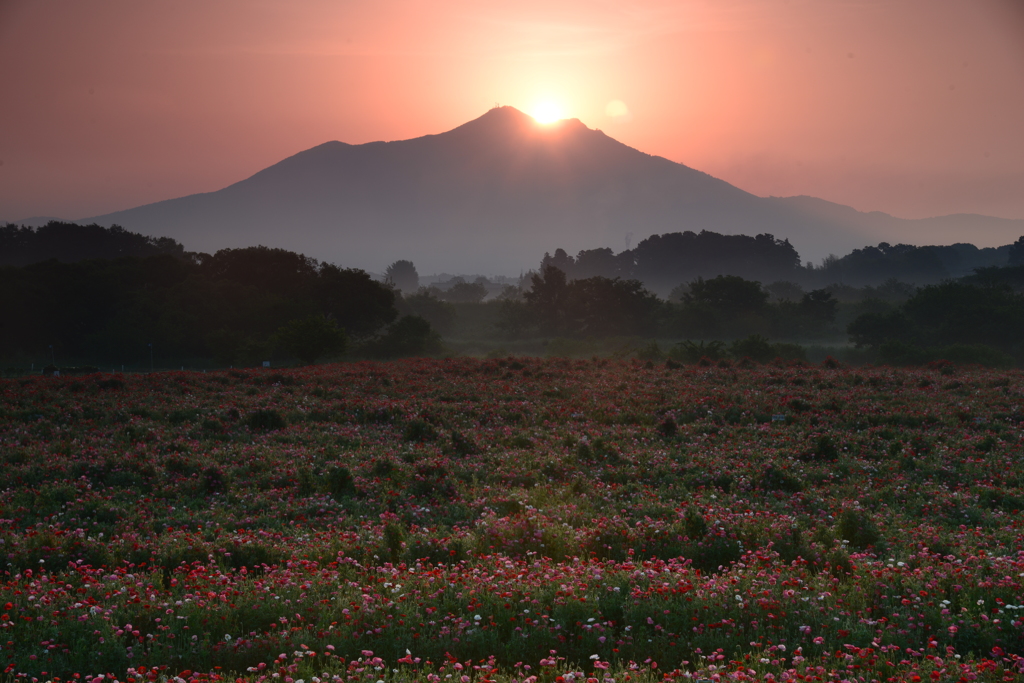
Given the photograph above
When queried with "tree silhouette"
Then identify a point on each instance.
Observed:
(312, 337)
(402, 274)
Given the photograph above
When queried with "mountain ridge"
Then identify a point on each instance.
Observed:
(494, 194)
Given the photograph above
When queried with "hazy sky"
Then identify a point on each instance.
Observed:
(912, 107)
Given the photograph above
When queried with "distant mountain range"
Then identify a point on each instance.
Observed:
(496, 193)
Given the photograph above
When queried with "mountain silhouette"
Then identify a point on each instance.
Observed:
(492, 196)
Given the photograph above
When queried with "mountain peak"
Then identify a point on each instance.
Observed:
(508, 120)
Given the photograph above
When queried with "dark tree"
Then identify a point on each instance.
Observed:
(410, 336)
(819, 306)
(70, 243)
(727, 294)
(605, 307)
(311, 338)
(356, 301)
(547, 300)
(226, 306)
(425, 304)
(948, 314)
(1016, 253)
(402, 274)
(595, 306)
(466, 292)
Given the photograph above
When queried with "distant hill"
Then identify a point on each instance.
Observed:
(493, 193)
(69, 243)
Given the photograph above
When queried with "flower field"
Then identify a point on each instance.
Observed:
(536, 521)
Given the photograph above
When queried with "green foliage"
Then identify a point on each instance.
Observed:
(727, 295)
(777, 479)
(225, 306)
(982, 324)
(825, 449)
(312, 337)
(419, 430)
(895, 352)
(668, 427)
(590, 307)
(69, 243)
(694, 525)
(426, 305)
(340, 482)
(857, 527)
(754, 347)
(265, 420)
(410, 336)
(465, 292)
(692, 352)
(650, 352)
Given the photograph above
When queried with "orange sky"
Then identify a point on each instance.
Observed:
(913, 107)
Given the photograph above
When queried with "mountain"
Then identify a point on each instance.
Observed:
(36, 221)
(492, 196)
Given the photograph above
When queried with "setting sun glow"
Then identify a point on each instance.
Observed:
(546, 112)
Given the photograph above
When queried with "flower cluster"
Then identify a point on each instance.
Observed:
(517, 520)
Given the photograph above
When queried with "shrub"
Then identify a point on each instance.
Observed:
(213, 480)
(858, 528)
(775, 479)
(312, 337)
(463, 445)
(694, 524)
(692, 352)
(410, 336)
(650, 352)
(340, 482)
(755, 347)
(266, 420)
(419, 430)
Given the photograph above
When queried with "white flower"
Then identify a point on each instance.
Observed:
(477, 617)
(595, 656)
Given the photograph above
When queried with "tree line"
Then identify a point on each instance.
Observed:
(240, 306)
(662, 262)
(69, 243)
(726, 306)
(235, 307)
(977, 319)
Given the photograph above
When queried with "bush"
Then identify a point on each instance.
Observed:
(668, 427)
(691, 352)
(340, 482)
(265, 420)
(419, 430)
(858, 528)
(463, 445)
(775, 479)
(312, 337)
(650, 352)
(901, 353)
(824, 450)
(754, 347)
(694, 524)
(410, 336)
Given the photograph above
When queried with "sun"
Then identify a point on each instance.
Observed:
(546, 112)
